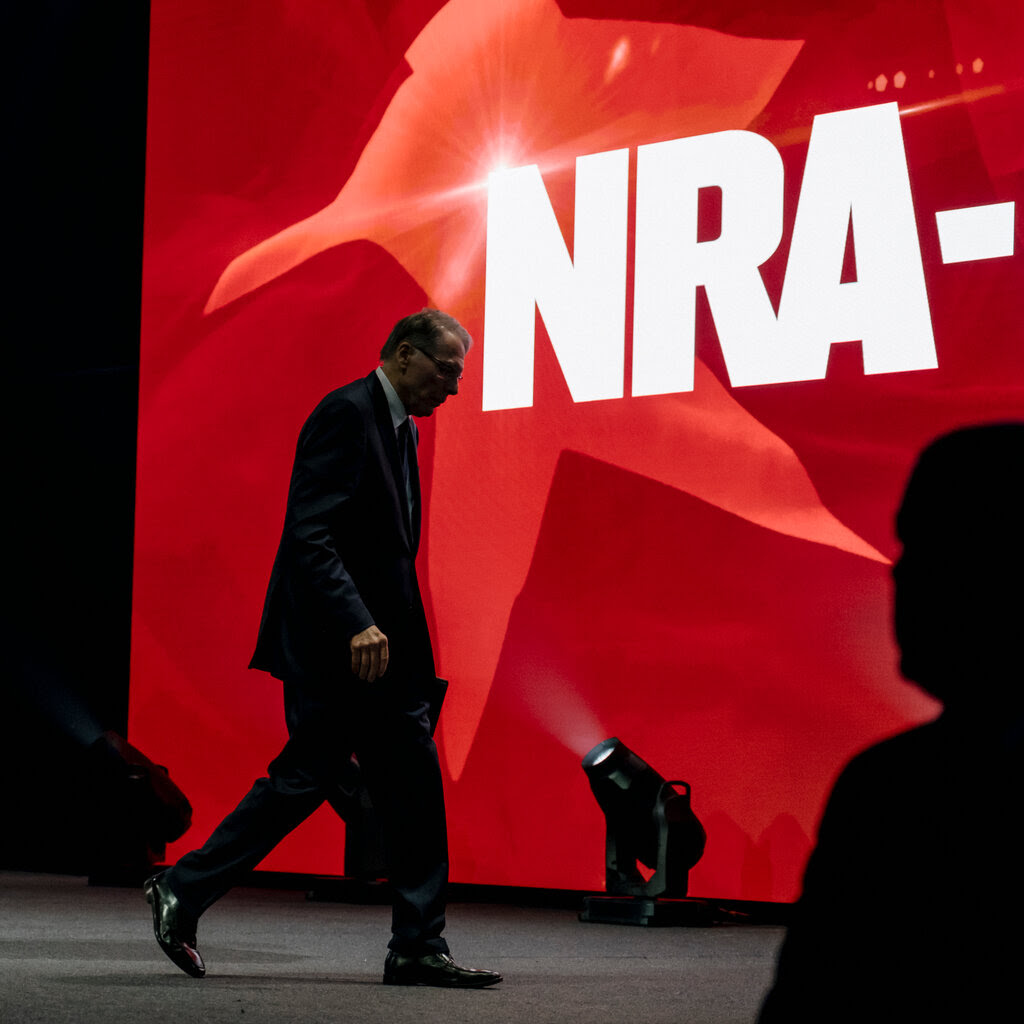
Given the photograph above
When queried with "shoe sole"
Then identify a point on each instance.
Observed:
(178, 957)
(484, 983)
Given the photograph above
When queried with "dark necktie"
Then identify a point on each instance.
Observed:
(410, 473)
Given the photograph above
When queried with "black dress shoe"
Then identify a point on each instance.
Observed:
(175, 929)
(434, 969)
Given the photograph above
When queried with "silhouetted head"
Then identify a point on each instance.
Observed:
(959, 596)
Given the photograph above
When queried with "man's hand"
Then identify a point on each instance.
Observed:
(369, 654)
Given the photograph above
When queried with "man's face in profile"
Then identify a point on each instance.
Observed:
(957, 584)
(923, 617)
(428, 380)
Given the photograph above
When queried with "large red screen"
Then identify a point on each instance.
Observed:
(728, 266)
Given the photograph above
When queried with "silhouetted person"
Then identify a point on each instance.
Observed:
(912, 900)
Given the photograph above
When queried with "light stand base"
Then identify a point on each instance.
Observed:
(651, 913)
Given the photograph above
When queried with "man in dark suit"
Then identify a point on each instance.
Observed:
(343, 627)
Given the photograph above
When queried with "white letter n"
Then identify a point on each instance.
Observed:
(581, 298)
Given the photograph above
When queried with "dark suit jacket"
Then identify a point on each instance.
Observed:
(912, 898)
(347, 554)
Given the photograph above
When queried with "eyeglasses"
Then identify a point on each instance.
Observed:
(448, 373)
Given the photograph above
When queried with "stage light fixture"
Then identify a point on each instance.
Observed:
(648, 821)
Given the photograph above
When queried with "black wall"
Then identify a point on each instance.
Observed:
(76, 159)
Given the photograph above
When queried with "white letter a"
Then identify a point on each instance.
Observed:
(856, 168)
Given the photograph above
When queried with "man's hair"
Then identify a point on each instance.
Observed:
(423, 330)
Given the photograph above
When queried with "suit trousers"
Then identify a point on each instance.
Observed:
(385, 724)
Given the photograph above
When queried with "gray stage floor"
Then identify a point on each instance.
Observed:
(70, 952)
